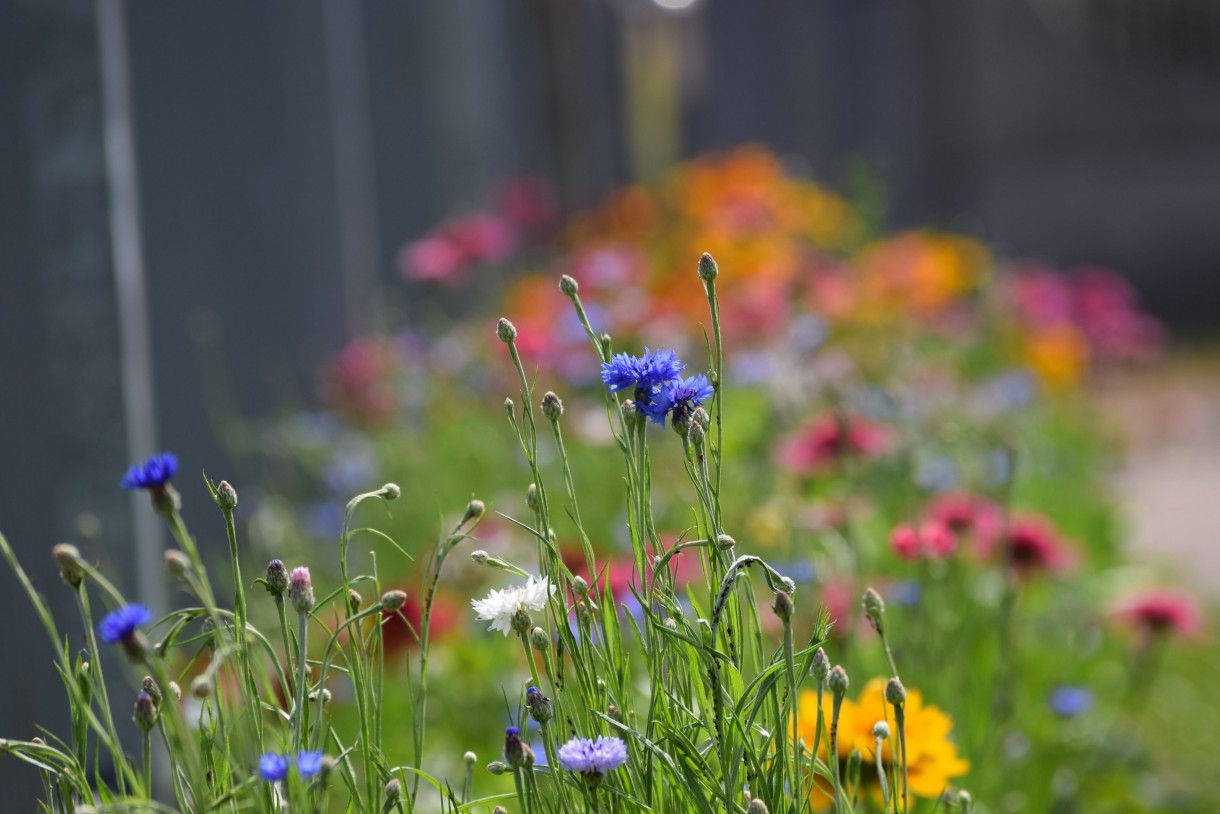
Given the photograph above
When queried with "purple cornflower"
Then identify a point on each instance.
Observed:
(152, 473)
(680, 397)
(593, 758)
(121, 624)
(309, 763)
(1068, 701)
(645, 373)
(272, 767)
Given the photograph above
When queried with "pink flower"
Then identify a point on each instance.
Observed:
(481, 237)
(1032, 547)
(829, 439)
(1161, 611)
(526, 201)
(904, 541)
(966, 516)
(435, 257)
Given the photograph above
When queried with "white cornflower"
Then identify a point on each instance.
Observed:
(499, 606)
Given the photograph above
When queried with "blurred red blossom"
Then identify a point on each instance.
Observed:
(1161, 610)
(829, 439)
(1030, 546)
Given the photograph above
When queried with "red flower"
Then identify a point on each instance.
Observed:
(1033, 546)
(830, 438)
(934, 540)
(904, 541)
(1161, 611)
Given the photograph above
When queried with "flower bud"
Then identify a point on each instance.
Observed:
(521, 621)
(874, 607)
(149, 686)
(539, 640)
(782, 606)
(895, 693)
(531, 497)
(604, 341)
(393, 792)
(580, 586)
(479, 556)
(175, 690)
(837, 680)
(354, 600)
(326, 696)
(177, 563)
(390, 491)
(552, 407)
(226, 496)
(393, 600)
(725, 543)
(568, 286)
(881, 730)
(277, 578)
(145, 712)
(300, 590)
(708, 270)
(499, 810)
(474, 510)
(757, 806)
(680, 422)
(508, 407)
(69, 559)
(514, 748)
(631, 416)
(506, 331)
(965, 800)
(821, 665)
(497, 767)
(696, 435)
(200, 687)
(539, 705)
(471, 758)
(700, 416)
(788, 584)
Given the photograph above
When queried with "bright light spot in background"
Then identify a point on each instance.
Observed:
(675, 5)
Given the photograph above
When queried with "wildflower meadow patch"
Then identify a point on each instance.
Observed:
(685, 587)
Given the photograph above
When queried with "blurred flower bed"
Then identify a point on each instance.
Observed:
(907, 412)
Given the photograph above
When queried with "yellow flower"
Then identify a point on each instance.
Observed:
(932, 757)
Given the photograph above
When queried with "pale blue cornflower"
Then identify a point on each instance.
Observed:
(309, 763)
(593, 758)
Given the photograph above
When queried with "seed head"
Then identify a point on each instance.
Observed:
(506, 331)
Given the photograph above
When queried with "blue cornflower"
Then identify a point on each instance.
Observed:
(272, 767)
(308, 763)
(121, 623)
(680, 397)
(152, 473)
(1068, 701)
(593, 758)
(645, 373)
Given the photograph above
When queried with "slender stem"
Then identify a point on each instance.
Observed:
(834, 751)
(299, 712)
(790, 667)
(239, 609)
(283, 614)
(146, 738)
(900, 722)
(885, 791)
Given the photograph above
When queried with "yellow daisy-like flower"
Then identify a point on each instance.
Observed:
(932, 757)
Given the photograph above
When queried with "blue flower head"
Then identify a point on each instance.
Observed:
(272, 767)
(121, 623)
(152, 473)
(645, 373)
(1069, 701)
(593, 757)
(309, 763)
(680, 398)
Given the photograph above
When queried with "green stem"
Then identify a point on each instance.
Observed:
(299, 712)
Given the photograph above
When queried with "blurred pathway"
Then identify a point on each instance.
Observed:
(1170, 483)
